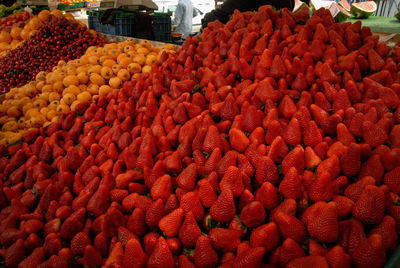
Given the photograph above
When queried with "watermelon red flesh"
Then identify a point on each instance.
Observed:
(363, 9)
(345, 4)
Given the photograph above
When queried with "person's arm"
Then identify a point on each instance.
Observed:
(178, 14)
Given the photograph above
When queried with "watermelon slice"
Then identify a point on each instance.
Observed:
(317, 4)
(362, 10)
(338, 12)
(298, 5)
(344, 4)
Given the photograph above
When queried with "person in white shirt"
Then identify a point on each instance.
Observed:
(184, 14)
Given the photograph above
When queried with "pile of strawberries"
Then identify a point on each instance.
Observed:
(263, 142)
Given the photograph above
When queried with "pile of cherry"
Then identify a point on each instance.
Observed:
(57, 39)
(263, 142)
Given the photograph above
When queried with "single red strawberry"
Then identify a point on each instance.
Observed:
(204, 253)
(266, 171)
(134, 255)
(308, 261)
(373, 134)
(187, 178)
(290, 186)
(354, 190)
(244, 165)
(316, 249)
(223, 210)
(344, 205)
(312, 135)
(33, 260)
(124, 235)
(189, 231)
(171, 223)
(344, 135)
(330, 165)
(183, 261)
(288, 206)
(350, 162)
(238, 140)
(78, 243)
(136, 222)
(387, 229)
(252, 118)
(321, 189)
(287, 108)
(15, 253)
(228, 160)
(229, 108)
(266, 236)
(232, 180)
(212, 161)
(278, 69)
(370, 206)
(278, 149)
(161, 255)
(191, 202)
(311, 160)
(290, 227)
(287, 252)
(375, 61)
(161, 188)
(370, 253)
(212, 140)
(324, 226)
(267, 194)
(154, 213)
(392, 179)
(253, 214)
(249, 258)
(224, 240)
(337, 258)
(373, 168)
(274, 130)
(292, 133)
(91, 257)
(207, 194)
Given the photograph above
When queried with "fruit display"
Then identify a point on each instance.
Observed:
(7, 11)
(262, 142)
(98, 72)
(56, 38)
(363, 10)
(18, 19)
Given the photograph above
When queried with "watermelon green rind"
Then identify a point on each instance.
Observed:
(345, 5)
(299, 5)
(397, 15)
(362, 10)
(317, 4)
(342, 15)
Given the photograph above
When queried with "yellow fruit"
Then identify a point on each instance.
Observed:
(115, 82)
(41, 75)
(51, 114)
(54, 96)
(150, 59)
(109, 62)
(84, 96)
(104, 90)
(58, 86)
(39, 103)
(47, 88)
(27, 107)
(134, 68)
(83, 78)
(71, 80)
(62, 108)
(44, 111)
(140, 59)
(10, 126)
(146, 69)
(97, 79)
(37, 120)
(106, 72)
(124, 74)
(69, 98)
(72, 89)
(116, 68)
(124, 62)
(40, 85)
(13, 111)
(73, 105)
(94, 69)
(93, 89)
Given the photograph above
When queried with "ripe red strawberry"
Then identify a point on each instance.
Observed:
(344, 205)
(288, 206)
(224, 240)
(266, 171)
(154, 213)
(350, 162)
(354, 190)
(375, 61)
(183, 261)
(290, 227)
(207, 194)
(274, 130)
(370, 253)
(232, 180)
(244, 165)
(91, 257)
(387, 229)
(252, 118)
(267, 194)
(249, 258)
(337, 257)
(373, 134)
(278, 149)
(292, 133)
(223, 210)
(187, 178)
(266, 236)
(290, 186)
(238, 140)
(308, 261)
(253, 214)
(124, 235)
(278, 69)
(295, 158)
(373, 168)
(324, 226)
(312, 136)
(321, 189)
(136, 222)
(191, 202)
(287, 108)
(15, 253)
(311, 160)
(213, 160)
(212, 140)
(370, 206)
(134, 255)
(33, 260)
(189, 231)
(171, 223)
(330, 165)
(78, 243)
(287, 252)
(344, 135)
(161, 255)
(204, 254)
(229, 108)
(392, 179)
(228, 160)
(162, 188)
(316, 249)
